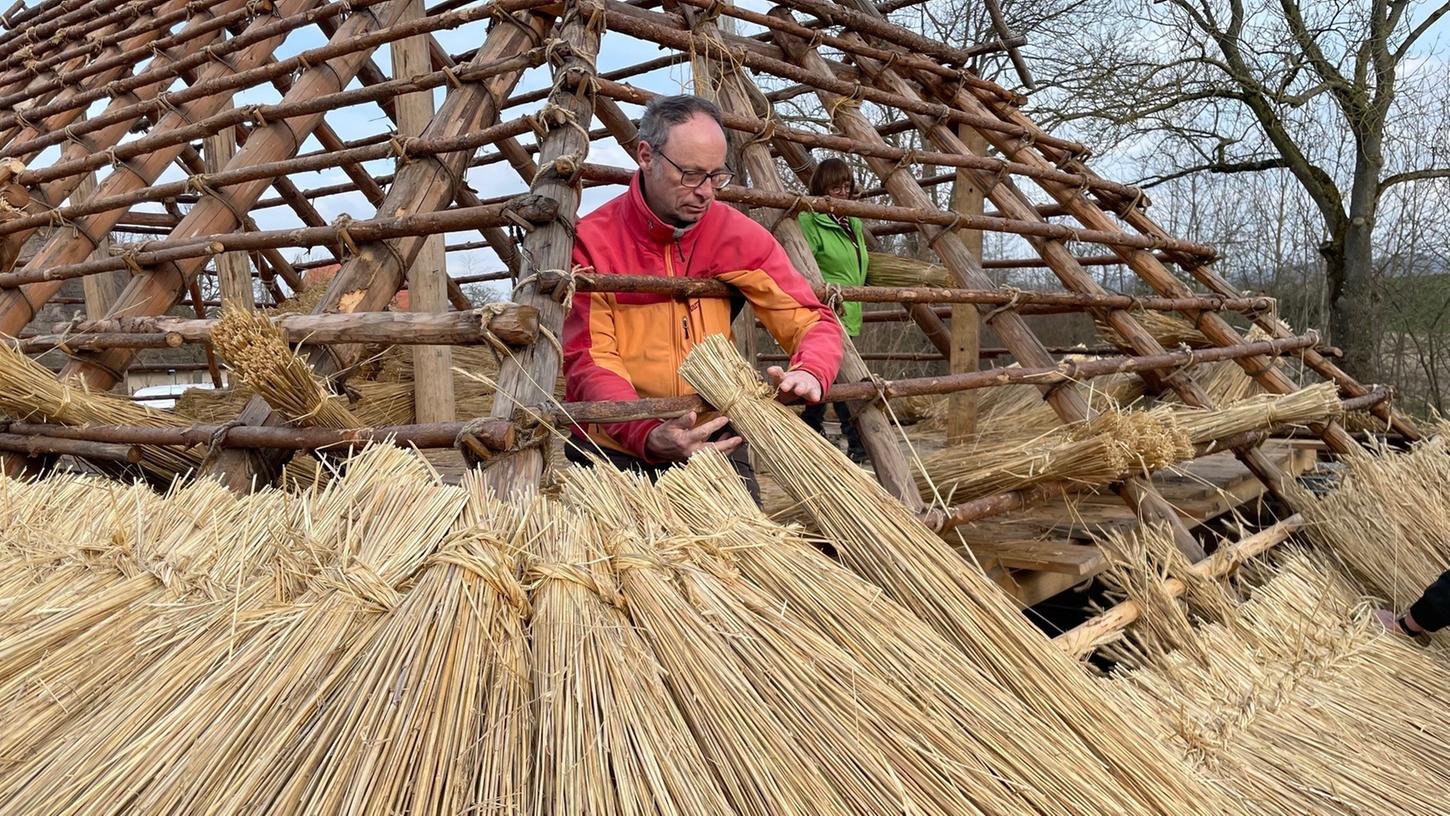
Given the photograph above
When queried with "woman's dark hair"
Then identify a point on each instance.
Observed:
(831, 173)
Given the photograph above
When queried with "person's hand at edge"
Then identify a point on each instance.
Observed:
(680, 438)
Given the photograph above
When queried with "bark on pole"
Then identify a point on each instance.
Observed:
(1067, 402)
(877, 435)
(529, 376)
(427, 275)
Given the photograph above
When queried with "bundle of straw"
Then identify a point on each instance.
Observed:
(962, 473)
(1169, 330)
(1387, 519)
(30, 391)
(900, 760)
(609, 734)
(257, 351)
(431, 715)
(1099, 451)
(886, 269)
(1048, 767)
(1022, 408)
(1310, 404)
(160, 725)
(1256, 696)
(884, 542)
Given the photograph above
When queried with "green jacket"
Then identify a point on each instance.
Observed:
(842, 260)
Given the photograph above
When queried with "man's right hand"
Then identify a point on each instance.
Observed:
(679, 438)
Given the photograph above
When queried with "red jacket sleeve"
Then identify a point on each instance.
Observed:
(784, 302)
(593, 370)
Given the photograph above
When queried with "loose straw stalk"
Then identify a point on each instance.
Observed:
(880, 539)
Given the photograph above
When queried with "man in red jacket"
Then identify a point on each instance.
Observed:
(629, 346)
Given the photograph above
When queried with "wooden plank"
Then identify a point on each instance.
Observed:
(1061, 556)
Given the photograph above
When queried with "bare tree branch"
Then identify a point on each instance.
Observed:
(1413, 175)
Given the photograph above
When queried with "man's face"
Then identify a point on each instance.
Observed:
(693, 147)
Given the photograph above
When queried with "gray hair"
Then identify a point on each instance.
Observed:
(664, 112)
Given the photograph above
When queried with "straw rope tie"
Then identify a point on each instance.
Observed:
(538, 573)
(495, 575)
(800, 204)
(451, 77)
(400, 145)
(343, 237)
(1014, 299)
(361, 583)
(835, 298)
(219, 438)
(949, 229)
(853, 100)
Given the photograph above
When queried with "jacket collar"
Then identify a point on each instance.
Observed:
(643, 221)
(826, 220)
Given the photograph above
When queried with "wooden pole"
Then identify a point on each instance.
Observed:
(967, 198)
(1107, 627)
(529, 376)
(234, 273)
(427, 274)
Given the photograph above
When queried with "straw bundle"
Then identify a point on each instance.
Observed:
(382, 390)
(238, 650)
(886, 269)
(1021, 406)
(611, 739)
(257, 351)
(30, 391)
(1096, 452)
(1301, 703)
(962, 473)
(431, 714)
(881, 540)
(1387, 519)
(1169, 330)
(1046, 766)
(900, 760)
(1310, 404)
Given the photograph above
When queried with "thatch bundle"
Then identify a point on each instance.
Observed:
(380, 391)
(256, 350)
(1388, 518)
(887, 269)
(1021, 407)
(29, 390)
(881, 540)
(1102, 450)
(1298, 702)
(1169, 330)
(1310, 404)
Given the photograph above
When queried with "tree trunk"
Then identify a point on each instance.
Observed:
(1349, 270)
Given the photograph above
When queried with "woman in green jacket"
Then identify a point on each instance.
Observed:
(839, 245)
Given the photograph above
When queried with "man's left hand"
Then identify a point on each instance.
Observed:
(795, 385)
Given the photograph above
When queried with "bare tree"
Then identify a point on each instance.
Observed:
(1335, 94)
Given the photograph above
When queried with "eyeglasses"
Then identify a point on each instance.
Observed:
(694, 178)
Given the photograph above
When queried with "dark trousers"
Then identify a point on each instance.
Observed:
(815, 416)
(577, 451)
